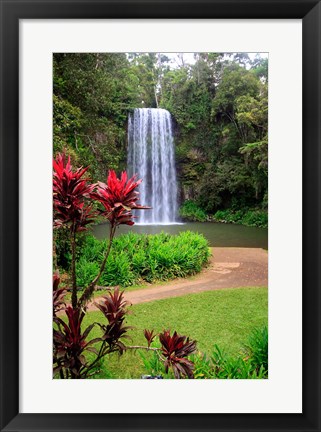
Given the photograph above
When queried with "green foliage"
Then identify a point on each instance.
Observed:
(253, 364)
(219, 106)
(255, 218)
(67, 119)
(62, 249)
(118, 270)
(258, 348)
(92, 96)
(190, 211)
(236, 82)
(86, 271)
(225, 317)
(224, 182)
(143, 258)
(152, 363)
(221, 366)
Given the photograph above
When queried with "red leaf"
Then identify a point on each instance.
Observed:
(70, 192)
(119, 198)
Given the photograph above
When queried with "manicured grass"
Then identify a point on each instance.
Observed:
(224, 317)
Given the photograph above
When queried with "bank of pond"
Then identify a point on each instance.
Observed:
(147, 253)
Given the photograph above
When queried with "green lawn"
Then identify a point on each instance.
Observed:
(224, 317)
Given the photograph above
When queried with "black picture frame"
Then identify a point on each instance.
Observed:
(11, 12)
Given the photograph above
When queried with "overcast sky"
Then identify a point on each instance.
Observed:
(189, 57)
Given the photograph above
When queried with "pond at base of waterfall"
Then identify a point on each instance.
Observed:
(217, 234)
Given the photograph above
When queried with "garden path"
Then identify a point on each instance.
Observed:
(228, 268)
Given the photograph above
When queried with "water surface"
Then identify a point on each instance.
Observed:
(217, 234)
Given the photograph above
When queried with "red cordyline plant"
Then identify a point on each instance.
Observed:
(114, 308)
(174, 352)
(176, 349)
(71, 192)
(149, 336)
(118, 198)
(58, 295)
(73, 196)
(70, 344)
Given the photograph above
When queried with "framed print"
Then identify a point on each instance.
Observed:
(253, 68)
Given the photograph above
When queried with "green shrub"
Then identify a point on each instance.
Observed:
(86, 271)
(190, 211)
(137, 258)
(255, 218)
(118, 271)
(252, 365)
(152, 362)
(258, 347)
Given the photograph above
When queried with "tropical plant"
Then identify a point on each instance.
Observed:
(190, 211)
(118, 198)
(73, 197)
(70, 190)
(70, 194)
(176, 349)
(70, 344)
(258, 348)
(58, 295)
(251, 363)
(250, 217)
(114, 308)
(149, 336)
(136, 258)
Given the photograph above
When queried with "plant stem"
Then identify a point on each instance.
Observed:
(100, 355)
(142, 347)
(61, 373)
(90, 288)
(73, 268)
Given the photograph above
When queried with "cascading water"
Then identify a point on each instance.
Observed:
(151, 156)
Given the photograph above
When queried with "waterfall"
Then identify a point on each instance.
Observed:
(151, 156)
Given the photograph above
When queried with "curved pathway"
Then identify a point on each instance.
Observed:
(228, 268)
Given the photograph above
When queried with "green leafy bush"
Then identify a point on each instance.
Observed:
(117, 271)
(86, 270)
(258, 347)
(137, 258)
(190, 211)
(253, 364)
(255, 218)
(153, 364)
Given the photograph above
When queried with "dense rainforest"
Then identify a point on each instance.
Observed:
(219, 107)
